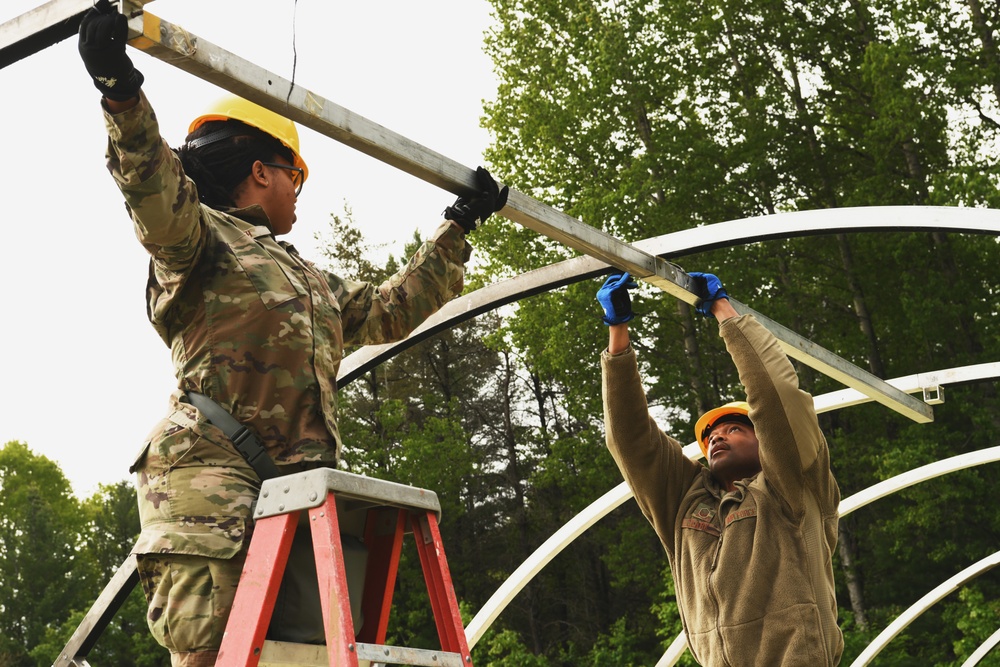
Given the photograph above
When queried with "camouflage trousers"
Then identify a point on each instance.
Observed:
(194, 494)
(189, 599)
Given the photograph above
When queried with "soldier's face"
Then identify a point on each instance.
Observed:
(281, 198)
(733, 452)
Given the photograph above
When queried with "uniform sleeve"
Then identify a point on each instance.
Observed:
(652, 463)
(793, 451)
(389, 312)
(163, 203)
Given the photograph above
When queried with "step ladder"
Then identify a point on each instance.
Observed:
(339, 502)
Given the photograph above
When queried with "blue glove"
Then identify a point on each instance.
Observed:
(710, 290)
(613, 297)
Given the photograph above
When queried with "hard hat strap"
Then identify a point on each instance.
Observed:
(236, 129)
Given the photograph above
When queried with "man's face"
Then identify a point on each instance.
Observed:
(733, 452)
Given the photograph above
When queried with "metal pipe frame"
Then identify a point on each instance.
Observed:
(676, 244)
(40, 28)
(176, 46)
(921, 605)
(983, 649)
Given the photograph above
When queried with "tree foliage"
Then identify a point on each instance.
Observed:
(647, 118)
(56, 554)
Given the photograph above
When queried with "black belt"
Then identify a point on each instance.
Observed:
(244, 439)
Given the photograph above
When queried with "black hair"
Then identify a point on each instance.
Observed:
(731, 417)
(219, 155)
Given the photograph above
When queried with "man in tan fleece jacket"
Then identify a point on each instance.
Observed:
(749, 538)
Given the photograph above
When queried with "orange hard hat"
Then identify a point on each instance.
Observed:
(712, 417)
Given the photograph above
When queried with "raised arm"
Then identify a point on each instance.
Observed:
(652, 463)
(102, 38)
(433, 276)
(793, 452)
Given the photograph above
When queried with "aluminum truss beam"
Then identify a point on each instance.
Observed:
(174, 45)
(180, 48)
(43, 26)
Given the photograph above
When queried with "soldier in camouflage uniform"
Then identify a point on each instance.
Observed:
(249, 322)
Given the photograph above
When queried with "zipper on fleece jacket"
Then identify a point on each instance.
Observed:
(711, 586)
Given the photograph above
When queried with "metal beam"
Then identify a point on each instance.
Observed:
(923, 604)
(983, 650)
(676, 244)
(176, 46)
(838, 368)
(40, 28)
(115, 592)
(43, 26)
(692, 240)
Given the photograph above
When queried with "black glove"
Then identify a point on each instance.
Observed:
(710, 290)
(470, 212)
(103, 33)
(614, 298)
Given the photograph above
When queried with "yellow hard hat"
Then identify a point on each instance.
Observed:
(276, 125)
(710, 418)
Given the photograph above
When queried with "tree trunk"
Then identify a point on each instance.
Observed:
(864, 317)
(514, 480)
(847, 548)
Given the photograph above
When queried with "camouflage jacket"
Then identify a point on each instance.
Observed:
(253, 325)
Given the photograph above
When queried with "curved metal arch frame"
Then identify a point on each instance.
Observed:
(173, 45)
(920, 606)
(983, 650)
(201, 58)
(676, 244)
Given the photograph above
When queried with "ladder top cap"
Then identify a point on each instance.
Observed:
(305, 490)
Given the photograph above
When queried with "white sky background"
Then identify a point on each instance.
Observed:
(84, 375)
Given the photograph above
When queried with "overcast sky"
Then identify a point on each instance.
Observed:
(86, 377)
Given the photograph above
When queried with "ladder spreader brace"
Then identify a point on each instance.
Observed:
(339, 502)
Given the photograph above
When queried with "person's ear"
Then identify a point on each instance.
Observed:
(258, 174)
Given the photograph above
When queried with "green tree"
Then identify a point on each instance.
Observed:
(644, 119)
(107, 527)
(39, 534)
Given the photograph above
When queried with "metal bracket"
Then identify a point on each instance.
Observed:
(933, 395)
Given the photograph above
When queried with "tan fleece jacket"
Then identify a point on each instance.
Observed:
(752, 568)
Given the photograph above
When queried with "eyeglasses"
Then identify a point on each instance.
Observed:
(298, 175)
